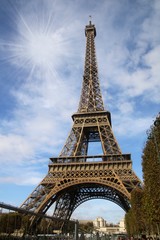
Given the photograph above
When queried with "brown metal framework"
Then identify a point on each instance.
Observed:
(75, 177)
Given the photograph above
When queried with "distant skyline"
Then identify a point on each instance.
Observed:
(42, 51)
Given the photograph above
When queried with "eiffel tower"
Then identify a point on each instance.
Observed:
(74, 176)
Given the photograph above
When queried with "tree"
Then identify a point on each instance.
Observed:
(129, 223)
(87, 228)
(138, 210)
(151, 176)
(145, 207)
(10, 222)
(134, 219)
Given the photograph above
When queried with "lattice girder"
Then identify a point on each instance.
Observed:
(115, 175)
(74, 196)
(70, 147)
(75, 177)
(84, 128)
(84, 192)
(91, 97)
(37, 196)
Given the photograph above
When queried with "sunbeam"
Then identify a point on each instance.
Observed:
(37, 44)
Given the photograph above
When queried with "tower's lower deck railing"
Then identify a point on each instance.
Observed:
(85, 158)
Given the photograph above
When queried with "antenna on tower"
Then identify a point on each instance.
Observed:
(90, 18)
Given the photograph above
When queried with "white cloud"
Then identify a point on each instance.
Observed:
(106, 209)
(129, 126)
(23, 177)
(125, 107)
(14, 148)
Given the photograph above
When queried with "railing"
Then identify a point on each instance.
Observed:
(86, 158)
(15, 223)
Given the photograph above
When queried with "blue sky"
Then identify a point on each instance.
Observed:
(42, 50)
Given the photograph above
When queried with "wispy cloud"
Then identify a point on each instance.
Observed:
(89, 210)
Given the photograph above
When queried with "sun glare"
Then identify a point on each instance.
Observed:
(37, 44)
(40, 49)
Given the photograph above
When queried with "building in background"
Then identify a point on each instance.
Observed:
(101, 225)
(99, 222)
(122, 228)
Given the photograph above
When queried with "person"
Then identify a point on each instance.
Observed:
(143, 237)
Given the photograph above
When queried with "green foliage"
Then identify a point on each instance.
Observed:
(138, 210)
(129, 223)
(14, 224)
(87, 228)
(144, 215)
(134, 219)
(151, 176)
(9, 222)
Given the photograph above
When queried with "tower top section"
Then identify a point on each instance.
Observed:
(90, 28)
(91, 97)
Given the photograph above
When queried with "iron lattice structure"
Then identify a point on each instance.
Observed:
(74, 176)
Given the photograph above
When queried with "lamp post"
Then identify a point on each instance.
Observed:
(76, 230)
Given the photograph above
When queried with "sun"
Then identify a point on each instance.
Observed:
(38, 49)
(38, 44)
